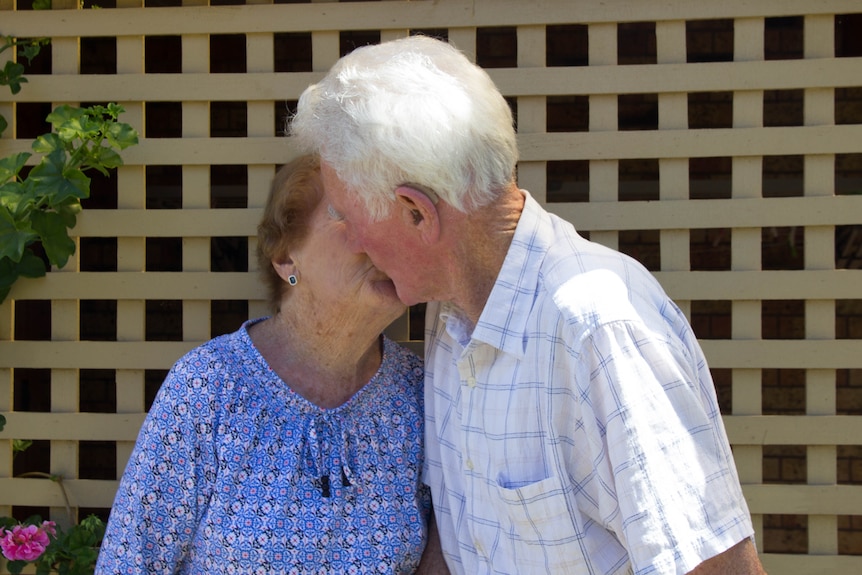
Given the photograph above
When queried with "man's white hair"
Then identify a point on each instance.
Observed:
(413, 110)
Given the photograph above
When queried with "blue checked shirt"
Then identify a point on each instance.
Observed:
(575, 429)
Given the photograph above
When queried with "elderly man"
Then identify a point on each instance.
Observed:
(571, 420)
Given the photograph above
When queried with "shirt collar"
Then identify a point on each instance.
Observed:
(503, 321)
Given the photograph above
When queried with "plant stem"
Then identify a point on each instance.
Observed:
(58, 479)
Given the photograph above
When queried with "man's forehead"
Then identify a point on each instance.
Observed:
(339, 196)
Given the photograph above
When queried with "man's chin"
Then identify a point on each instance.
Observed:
(406, 299)
(386, 287)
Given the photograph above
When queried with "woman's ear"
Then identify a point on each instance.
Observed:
(419, 211)
(285, 269)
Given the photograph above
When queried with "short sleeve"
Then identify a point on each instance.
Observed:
(677, 496)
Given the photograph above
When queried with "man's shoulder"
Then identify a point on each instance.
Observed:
(592, 284)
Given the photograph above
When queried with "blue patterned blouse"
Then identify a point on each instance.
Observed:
(235, 473)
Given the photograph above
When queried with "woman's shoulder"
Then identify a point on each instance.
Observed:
(402, 371)
(401, 358)
(213, 351)
(396, 390)
(210, 361)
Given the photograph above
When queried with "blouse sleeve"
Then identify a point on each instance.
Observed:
(168, 480)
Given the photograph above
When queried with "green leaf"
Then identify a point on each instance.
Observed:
(19, 445)
(83, 128)
(3, 124)
(47, 143)
(41, 4)
(31, 265)
(11, 194)
(18, 198)
(15, 567)
(95, 525)
(30, 49)
(7, 277)
(55, 239)
(77, 186)
(10, 166)
(14, 236)
(12, 75)
(121, 135)
(73, 123)
(114, 110)
(45, 204)
(107, 159)
(2, 425)
(34, 519)
(56, 182)
(69, 211)
(92, 162)
(64, 114)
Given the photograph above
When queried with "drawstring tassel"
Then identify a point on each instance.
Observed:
(321, 431)
(324, 486)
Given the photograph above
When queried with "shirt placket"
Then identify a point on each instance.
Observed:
(472, 450)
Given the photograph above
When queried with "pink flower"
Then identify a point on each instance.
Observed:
(26, 542)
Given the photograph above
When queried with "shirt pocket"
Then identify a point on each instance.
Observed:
(541, 524)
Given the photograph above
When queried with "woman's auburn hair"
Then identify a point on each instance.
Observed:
(295, 192)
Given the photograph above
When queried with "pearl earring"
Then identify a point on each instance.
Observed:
(291, 279)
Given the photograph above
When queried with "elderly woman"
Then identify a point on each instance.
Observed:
(293, 445)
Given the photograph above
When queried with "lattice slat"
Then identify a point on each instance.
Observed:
(815, 348)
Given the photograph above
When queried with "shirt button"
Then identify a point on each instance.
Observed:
(471, 382)
(469, 464)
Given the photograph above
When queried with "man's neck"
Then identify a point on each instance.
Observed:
(485, 237)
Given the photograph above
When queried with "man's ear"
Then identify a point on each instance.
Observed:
(419, 211)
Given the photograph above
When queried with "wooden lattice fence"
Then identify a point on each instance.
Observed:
(718, 142)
